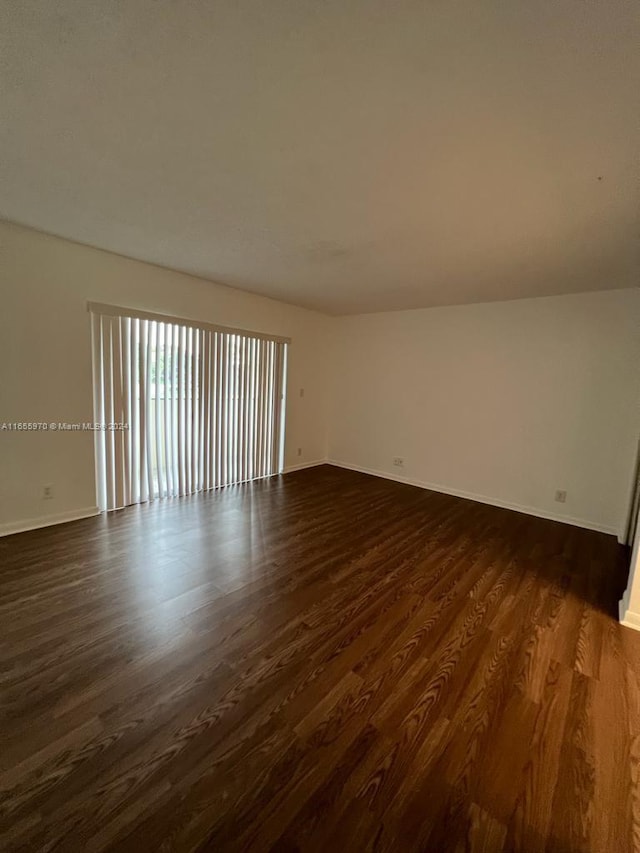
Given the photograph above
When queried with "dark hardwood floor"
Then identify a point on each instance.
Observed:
(321, 661)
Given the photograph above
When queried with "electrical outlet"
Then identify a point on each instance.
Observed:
(299, 451)
(47, 492)
(561, 496)
(398, 461)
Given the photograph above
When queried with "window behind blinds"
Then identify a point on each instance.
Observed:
(202, 406)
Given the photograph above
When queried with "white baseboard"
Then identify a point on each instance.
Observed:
(628, 618)
(47, 520)
(483, 499)
(291, 468)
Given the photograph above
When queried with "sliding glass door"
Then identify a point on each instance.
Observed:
(181, 408)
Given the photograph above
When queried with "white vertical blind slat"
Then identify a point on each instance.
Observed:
(243, 404)
(98, 410)
(220, 405)
(135, 410)
(217, 398)
(257, 406)
(258, 415)
(180, 418)
(159, 403)
(213, 408)
(205, 360)
(251, 410)
(233, 432)
(263, 405)
(269, 408)
(235, 476)
(274, 421)
(174, 411)
(117, 415)
(195, 415)
(192, 422)
(125, 338)
(142, 374)
(283, 397)
(107, 356)
(166, 354)
(246, 443)
(150, 419)
(185, 415)
(211, 361)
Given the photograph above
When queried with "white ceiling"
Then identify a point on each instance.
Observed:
(345, 155)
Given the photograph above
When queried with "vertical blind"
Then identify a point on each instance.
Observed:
(202, 407)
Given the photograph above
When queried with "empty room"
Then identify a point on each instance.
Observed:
(319, 426)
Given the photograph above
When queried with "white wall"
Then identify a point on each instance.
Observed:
(45, 360)
(505, 402)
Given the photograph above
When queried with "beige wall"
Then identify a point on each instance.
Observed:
(505, 402)
(45, 359)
